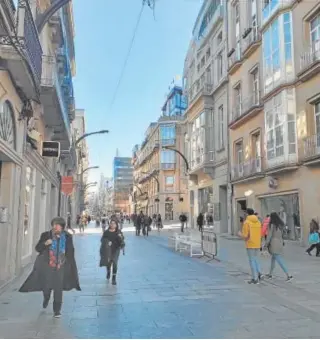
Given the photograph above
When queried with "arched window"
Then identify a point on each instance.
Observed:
(7, 124)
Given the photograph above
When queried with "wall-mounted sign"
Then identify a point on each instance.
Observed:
(67, 185)
(51, 149)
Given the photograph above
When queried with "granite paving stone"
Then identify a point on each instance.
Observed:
(162, 294)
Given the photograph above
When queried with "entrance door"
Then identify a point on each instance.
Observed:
(169, 209)
(240, 215)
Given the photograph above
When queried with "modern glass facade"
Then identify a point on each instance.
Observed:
(176, 103)
(123, 179)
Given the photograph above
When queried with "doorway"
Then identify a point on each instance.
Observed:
(169, 209)
(241, 206)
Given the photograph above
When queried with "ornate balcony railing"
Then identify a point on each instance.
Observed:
(234, 60)
(246, 169)
(250, 40)
(311, 147)
(196, 90)
(31, 42)
(246, 106)
(311, 56)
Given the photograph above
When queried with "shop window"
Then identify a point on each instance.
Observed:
(287, 206)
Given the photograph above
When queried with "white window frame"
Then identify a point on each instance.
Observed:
(220, 128)
(315, 44)
(317, 116)
(279, 104)
(237, 27)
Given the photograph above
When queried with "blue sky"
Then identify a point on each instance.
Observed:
(103, 35)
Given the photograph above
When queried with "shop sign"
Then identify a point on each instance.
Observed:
(67, 185)
(51, 149)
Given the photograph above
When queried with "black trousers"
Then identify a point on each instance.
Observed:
(113, 262)
(200, 227)
(182, 226)
(317, 246)
(54, 282)
(138, 230)
(145, 230)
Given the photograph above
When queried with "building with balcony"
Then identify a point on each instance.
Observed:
(206, 85)
(29, 183)
(80, 196)
(273, 111)
(122, 183)
(160, 180)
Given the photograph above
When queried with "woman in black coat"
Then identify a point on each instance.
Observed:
(55, 267)
(112, 242)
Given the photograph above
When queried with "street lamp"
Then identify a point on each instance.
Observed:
(90, 168)
(91, 184)
(90, 134)
(180, 153)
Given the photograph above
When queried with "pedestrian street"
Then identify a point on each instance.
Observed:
(160, 294)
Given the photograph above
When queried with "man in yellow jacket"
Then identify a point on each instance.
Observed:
(251, 233)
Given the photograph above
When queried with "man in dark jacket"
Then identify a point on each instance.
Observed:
(200, 221)
(183, 220)
(55, 267)
(139, 223)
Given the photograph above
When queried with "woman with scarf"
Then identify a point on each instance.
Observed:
(112, 242)
(55, 268)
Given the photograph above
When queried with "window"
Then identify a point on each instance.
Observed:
(169, 180)
(239, 153)
(255, 85)
(208, 75)
(254, 23)
(167, 134)
(167, 157)
(269, 7)
(277, 52)
(219, 39)
(28, 213)
(203, 61)
(274, 127)
(220, 128)
(256, 149)
(197, 140)
(237, 30)
(317, 117)
(281, 125)
(208, 53)
(219, 66)
(237, 98)
(315, 34)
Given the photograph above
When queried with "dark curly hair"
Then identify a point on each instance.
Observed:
(58, 220)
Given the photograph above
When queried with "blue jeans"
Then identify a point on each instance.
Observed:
(279, 259)
(253, 261)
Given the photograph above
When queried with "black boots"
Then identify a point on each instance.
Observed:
(114, 281)
(108, 275)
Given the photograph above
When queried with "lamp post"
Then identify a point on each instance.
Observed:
(181, 154)
(93, 167)
(89, 168)
(90, 134)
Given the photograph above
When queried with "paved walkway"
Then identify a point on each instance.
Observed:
(161, 294)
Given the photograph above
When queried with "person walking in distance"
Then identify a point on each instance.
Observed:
(104, 223)
(183, 220)
(112, 242)
(314, 239)
(159, 222)
(69, 226)
(55, 268)
(275, 244)
(139, 223)
(200, 221)
(251, 234)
